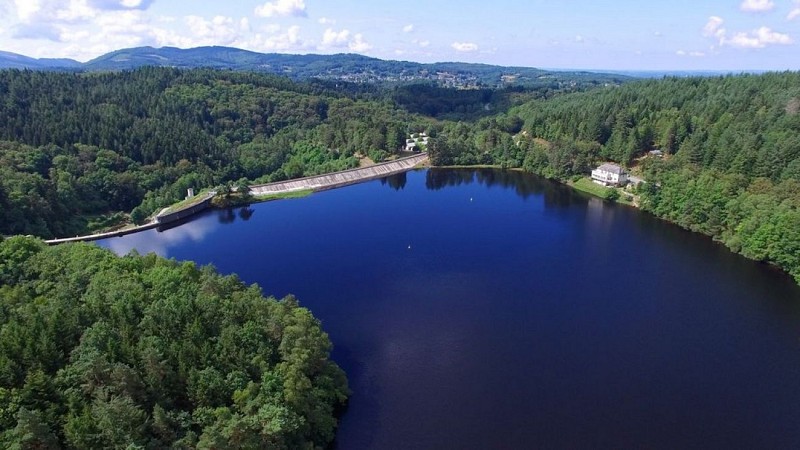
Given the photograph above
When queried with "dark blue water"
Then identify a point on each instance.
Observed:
(497, 310)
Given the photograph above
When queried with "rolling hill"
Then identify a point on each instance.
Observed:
(346, 67)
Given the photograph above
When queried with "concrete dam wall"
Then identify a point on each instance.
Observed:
(339, 179)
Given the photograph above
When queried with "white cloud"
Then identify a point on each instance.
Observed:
(343, 39)
(759, 38)
(326, 21)
(295, 8)
(290, 40)
(333, 38)
(794, 13)
(422, 43)
(756, 5)
(697, 54)
(714, 27)
(680, 53)
(220, 30)
(408, 28)
(26, 9)
(110, 5)
(464, 46)
(579, 38)
(358, 44)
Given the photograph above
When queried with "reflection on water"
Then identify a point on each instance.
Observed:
(523, 184)
(160, 241)
(396, 181)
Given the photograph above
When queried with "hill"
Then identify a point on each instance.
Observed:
(346, 67)
(10, 60)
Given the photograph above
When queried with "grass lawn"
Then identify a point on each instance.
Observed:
(198, 197)
(586, 184)
(282, 195)
(590, 187)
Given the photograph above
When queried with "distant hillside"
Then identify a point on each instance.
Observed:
(346, 67)
(10, 60)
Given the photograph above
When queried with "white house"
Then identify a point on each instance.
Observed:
(610, 175)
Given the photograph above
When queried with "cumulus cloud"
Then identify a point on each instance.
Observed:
(464, 46)
(408, 28)
(220, 30)
(422, 43)
(288, 40)
(331, 38)
(358, 44)
(756, 5)
(714, 27)
(579, 38)
(794, 13)
(343, 39)
(326, 21)
(295, 8)
(759, 38)
(119, 4)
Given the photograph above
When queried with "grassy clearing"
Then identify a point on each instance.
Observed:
(588, 186)
(185, 203)
(283, 195)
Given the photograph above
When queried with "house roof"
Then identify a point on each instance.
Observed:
(613, 168)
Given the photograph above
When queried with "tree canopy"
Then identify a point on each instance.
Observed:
(100, 351)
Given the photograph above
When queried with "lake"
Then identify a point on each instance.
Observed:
(495, 309)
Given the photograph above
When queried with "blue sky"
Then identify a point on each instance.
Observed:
(571, 34)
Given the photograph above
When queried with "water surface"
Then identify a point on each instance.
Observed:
(490, 309)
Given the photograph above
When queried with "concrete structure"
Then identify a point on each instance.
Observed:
(190, 210)
(339, 179)
(610, 175)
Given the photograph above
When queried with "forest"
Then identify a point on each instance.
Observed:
(76, 150)
(99, 351)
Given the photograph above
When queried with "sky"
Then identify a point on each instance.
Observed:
(732, 35)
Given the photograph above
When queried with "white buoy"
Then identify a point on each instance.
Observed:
(470, 199)
(409, 247)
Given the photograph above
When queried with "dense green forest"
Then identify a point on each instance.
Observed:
(732, 145)
(99, 351)
(75, 147)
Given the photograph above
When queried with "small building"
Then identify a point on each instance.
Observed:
(417, 142)
(610, 175)
(656, 153)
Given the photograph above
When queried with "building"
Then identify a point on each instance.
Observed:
(417, 142)
(610, 175)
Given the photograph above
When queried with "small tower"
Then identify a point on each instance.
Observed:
(190, 193)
